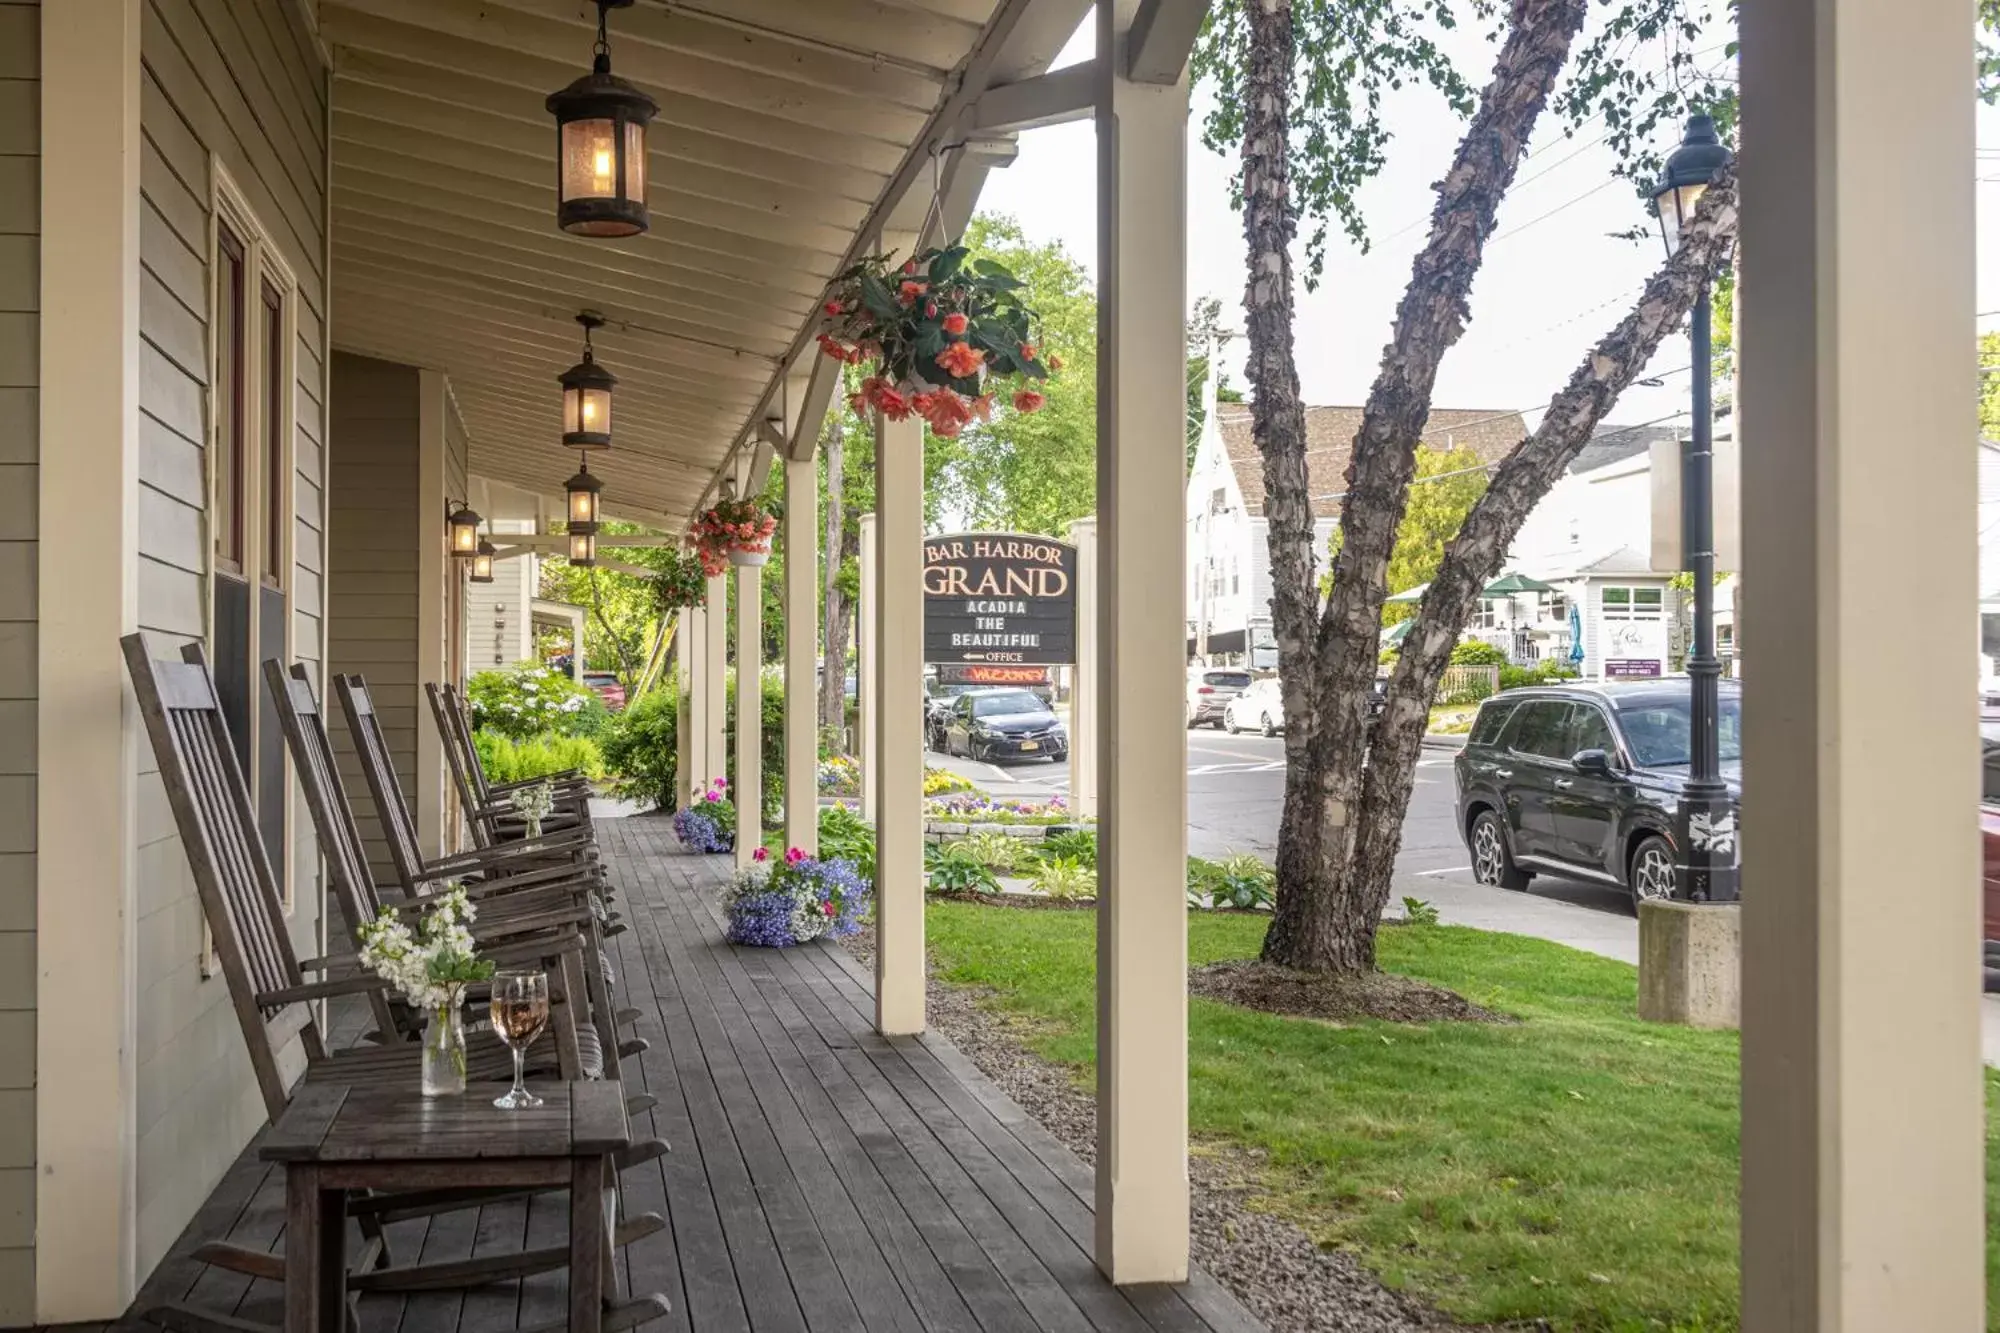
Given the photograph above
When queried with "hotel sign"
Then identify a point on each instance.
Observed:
(999, 597)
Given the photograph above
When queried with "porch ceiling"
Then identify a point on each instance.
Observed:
(787, 129)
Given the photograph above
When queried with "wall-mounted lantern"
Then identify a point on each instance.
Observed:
(601, 147)
(586, 399)
(482, 562)
(463, 525)
(582, 490)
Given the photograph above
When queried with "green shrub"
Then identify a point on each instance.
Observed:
(1065, 880)
(1238, 880)
(955, 869)
(525, 701)
(507, 760)
(848, 837)
(639, 748)
(1542, 673)
(1476, 652)
(1078, 845)
(997, 851)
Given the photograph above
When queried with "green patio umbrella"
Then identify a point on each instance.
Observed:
(1415, 594)
(1393, 636)
(1508, 584)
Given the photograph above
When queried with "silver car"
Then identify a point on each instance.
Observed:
(1259, 708)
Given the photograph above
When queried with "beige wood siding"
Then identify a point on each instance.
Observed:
(236, 82)
(20, 284)
(372, 626)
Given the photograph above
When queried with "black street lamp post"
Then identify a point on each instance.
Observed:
(1706, 821)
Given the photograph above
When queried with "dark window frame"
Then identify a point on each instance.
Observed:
(232, 529)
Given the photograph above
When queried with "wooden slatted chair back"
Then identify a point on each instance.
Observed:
(460, 713)
(225, 850)
(463, 761)
(378, 770)
(304, 726)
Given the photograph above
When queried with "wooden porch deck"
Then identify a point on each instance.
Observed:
(822, 1177)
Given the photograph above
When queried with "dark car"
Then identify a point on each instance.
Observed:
(938, 700)
(1583, 781)
(996, 724)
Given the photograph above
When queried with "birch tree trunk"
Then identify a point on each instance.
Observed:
(1473, 557)
(1323, 920)
(1277, 413)
(833, 518)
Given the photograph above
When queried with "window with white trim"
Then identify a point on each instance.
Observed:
(1634, 603)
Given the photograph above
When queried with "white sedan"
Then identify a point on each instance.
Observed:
(1259, 708)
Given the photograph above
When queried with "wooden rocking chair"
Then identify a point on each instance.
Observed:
(273, 1000)
(489, 811)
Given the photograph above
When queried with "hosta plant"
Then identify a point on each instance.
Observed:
(1065, 880)
(955, 869)
(948, 335)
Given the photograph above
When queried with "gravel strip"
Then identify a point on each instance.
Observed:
(1271, 1265)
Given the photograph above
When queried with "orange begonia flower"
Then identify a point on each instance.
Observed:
(955, 323)
(1027, 400)
(960, 360)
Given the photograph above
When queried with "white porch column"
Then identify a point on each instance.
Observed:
(687, 725)
(1083, 696)
(87, 757)
(801, 650)
(749, 789)
(713, 682)
(1863, 1116)
(1142, 1182)
(433, 569)
(865, 651)
(896, 767)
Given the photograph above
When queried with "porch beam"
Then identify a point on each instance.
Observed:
(1863, 1118)
(1055, 98)
(898, 762)
(1163, 33)
(1142, 1211)
(84, 1182)
(802, 594)
(821, 384)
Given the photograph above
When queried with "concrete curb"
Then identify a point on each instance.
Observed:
(1434, 741)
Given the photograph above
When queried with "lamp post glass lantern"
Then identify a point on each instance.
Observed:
(482, 562)
(463, 525)
(601, 147)
(583, 544)
(1707, 869)
(586, 395)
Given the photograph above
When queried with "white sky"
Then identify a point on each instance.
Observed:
(1545, 292)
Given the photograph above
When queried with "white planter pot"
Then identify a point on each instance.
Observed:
(739, 556)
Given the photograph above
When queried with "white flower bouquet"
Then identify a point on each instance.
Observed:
(431, 965)
(534, 803)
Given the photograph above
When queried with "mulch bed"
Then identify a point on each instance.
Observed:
(1337, 998)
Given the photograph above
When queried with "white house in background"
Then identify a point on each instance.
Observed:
(502, 617)
(1228, 549)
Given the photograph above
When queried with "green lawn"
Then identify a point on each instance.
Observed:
(1579, 1165)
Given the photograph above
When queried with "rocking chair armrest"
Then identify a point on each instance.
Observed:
(569, 777)
(321, 990)
(485, 858)
(510, 929)
(573, 881)
(535, 950)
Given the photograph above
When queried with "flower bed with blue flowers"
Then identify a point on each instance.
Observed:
(795, 901)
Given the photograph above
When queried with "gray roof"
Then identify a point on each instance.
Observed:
(1330, 431)
(1614, 444)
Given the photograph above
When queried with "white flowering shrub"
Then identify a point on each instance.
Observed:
(525, 701)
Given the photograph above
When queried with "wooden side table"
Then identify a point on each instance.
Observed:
(333, 1139)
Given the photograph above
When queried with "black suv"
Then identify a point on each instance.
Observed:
(1583, 781)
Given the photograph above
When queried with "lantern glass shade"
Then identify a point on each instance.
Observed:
(583, 490)
(587, 405)
(464, 529)
(482, 562)
(1686, 176)
(583, 545)
(601, 154)
(1676, 206)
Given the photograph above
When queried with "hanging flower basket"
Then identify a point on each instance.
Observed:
(948, 338)
(733, 532)
(679, 582)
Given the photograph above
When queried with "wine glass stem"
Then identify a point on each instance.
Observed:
(520, 1055)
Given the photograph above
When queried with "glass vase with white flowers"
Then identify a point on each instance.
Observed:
(533, 803)
(432, 964)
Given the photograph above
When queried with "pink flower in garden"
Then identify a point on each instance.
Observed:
(761, 854)
(827, 908)
(713, 796)
(793, 856)
(955, 322)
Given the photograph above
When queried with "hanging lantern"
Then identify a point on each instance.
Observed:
(482, 562)
(586, 390)
(582, 490)
(463, 524)
(583, 544)
(601, 147)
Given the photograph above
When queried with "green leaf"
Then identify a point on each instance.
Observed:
(947, 264)
(876, 296)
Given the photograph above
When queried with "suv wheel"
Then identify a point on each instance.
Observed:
(1651, 873)
(1492, 864)
(1268, 729)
